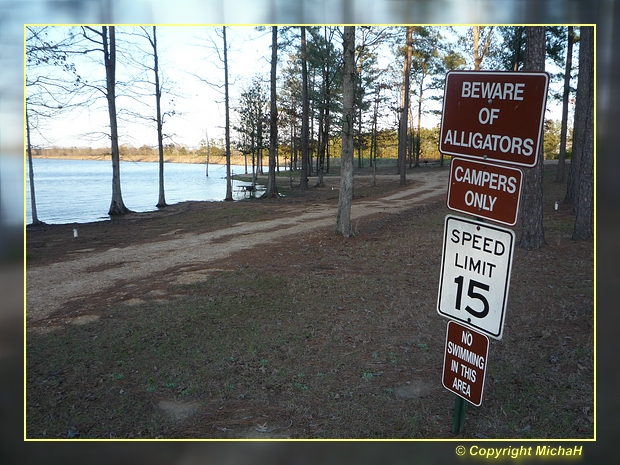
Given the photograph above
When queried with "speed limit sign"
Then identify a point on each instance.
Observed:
(475, 274)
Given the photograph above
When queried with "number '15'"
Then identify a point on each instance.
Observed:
(471, 292)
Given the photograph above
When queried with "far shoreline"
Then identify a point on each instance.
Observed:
(190, 159)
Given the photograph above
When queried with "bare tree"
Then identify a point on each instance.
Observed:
(160, 139)
(106, 38)
(33, 203)
(345, 198)
(533, 236)
(117, 206)
(222, 55)
(51, 86)
(227, 123)
(139, 62)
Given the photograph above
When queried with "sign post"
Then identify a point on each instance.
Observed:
(458, 419)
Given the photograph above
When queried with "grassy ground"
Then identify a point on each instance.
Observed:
(319, 336)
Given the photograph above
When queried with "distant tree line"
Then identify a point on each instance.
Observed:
(386, 148)
(172, 152)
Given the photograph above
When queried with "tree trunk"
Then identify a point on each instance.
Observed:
(580, 123)
(259, 140)
(410, 138)
(328, 101)
(208, 153)
(584, 204)
(33, 203)
(360, 160)
(323, 115)
(320, 156)
(516, 43)
(117, 207)
(480, 54)
(319, 134)
(402, 125)
(272, 190)
(559, 177)
(328, 152)
(295, 148)
(311, 113)
(304, 113)
(227, 122)
(417, 137)
(325, 137)
(160, 139)
(532, 236)
(254, 163)
(345, 198)
(477, 58)
(373, 142)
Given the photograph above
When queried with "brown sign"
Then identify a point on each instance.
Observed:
(485, 190)
(494, 116)
(465, 362)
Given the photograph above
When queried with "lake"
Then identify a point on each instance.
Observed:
(80, 191)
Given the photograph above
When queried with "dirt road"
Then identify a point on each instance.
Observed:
(52, 286)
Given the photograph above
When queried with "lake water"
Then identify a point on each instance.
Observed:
(80, 191)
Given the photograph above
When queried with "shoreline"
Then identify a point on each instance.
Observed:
(235, 160)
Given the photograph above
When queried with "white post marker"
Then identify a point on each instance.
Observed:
(475, 274)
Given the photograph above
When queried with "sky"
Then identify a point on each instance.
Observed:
(15, 13)
(187, 58)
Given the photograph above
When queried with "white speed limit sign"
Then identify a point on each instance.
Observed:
(475, 274)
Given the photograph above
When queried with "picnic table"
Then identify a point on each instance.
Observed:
(246, 188)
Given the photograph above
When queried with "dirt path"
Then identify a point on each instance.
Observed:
(50, 287)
